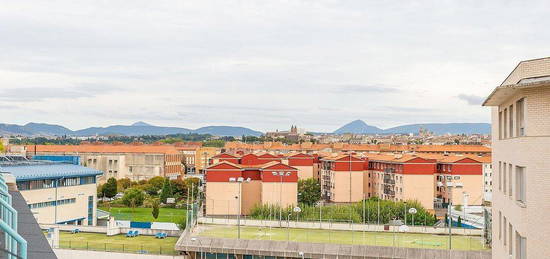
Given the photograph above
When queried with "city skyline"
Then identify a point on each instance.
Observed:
(259, 65)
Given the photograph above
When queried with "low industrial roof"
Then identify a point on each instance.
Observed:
(46, 170)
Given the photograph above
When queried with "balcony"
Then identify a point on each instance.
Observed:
(389, 181)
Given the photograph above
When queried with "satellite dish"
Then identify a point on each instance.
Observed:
(412, 211)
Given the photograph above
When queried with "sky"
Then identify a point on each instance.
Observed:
(265, 65)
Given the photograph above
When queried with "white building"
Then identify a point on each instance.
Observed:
(55, 192)
(521, 160)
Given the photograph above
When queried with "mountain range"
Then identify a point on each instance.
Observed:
(136, 129)
(360, 127)
(142, 128)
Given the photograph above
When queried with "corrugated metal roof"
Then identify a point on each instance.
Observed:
(47, 171)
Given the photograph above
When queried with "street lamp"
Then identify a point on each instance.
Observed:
(412, 211)
(239, 180)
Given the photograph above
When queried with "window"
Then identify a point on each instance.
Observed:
(520, 118)
(511, 120)
(520, 184)
(499, 225)
(505, 133)
(90, 210)
(504, 225)
(51, 203)
(521, 247)
(510, 180)
(510, 236)
(500, 125)
(504, 177)
(500, 176)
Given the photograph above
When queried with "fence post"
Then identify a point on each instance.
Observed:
(160, 250)
(123, 248)
(87, 245)
(105, 247)
(70, 244)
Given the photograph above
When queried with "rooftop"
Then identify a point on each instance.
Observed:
(105, 148)
(527, 74)
(34, 170)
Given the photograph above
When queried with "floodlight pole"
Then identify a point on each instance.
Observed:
(449, 212)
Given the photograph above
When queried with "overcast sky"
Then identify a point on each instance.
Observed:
(260, 64)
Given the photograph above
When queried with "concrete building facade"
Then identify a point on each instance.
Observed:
(136, 162)
(521, 139)
(234, 189)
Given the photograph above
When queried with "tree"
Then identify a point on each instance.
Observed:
(166, 191)
(157, 182)
(110, 188)
(186, 187)
(148, 188)
(155, 211)
(100, 190)
(124, 184)
(1, 146)
(133, 197)
(309, 191)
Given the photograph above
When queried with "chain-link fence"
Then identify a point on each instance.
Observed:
(381, 236)
(118, 247)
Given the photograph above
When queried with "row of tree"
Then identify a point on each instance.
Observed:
(161, 188)
(373, 210)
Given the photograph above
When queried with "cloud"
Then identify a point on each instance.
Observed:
(471, 99)
(352, 88)
(35, 94)
(261, 64)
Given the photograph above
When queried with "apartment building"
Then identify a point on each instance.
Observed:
(311, 148)
(203, 156)
(460, 180)
(520, 111)
(55, 192)
(189, 152)
(133, 161)
(401, 178)
(343, 178)
(307, 165)
(233, 189)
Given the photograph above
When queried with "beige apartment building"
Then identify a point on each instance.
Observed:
(234, 189)
(343, 178)
(134, 161)
(521, 150)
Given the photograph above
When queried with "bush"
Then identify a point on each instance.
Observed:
(133, 197)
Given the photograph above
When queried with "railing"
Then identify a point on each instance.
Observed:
(14, 245)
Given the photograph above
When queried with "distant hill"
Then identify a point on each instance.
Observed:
(360, 127)
(136, 129)
(47, 129)
(131, 130)
(227, 131)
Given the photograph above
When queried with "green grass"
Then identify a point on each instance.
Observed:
(144, 214)
(346, 237)
(118, 243)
